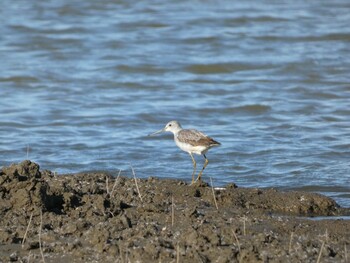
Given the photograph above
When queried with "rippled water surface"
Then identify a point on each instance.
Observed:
(82, 83)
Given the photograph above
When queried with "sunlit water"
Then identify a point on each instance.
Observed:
(82, 83)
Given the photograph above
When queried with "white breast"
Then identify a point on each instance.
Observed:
(191, 149)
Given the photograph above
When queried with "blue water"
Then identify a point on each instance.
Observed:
(82, 83)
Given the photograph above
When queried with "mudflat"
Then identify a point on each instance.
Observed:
(97, 217)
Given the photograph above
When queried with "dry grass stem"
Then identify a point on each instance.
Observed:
(115, 182)
(320, 254)
(25, 234)
(290, 242)
(137, 187)
(177, 253)
(172, 211)
(212, 188)
(238, 244)
(40, 244)
(29, 256)
(244, 219)
(107, 186)
(346, 254)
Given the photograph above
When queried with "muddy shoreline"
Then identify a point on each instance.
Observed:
(95, 217)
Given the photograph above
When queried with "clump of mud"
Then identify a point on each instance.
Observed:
(89, 217)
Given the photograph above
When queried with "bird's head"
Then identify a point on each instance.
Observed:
(172, 126)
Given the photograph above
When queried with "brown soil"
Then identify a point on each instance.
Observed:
(93, 217)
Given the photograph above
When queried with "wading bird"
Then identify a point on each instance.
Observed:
(191, 141)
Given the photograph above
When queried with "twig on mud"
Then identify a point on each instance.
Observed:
(346, 254)
(115, 182)
(212, 188)
(320, 254)
(111, 213)
(244, 219)
(290, 242)
(172, 211)
(40, 245)
(323, 243)
(238, 244)
(25, 234)
(137, 187)
(29, 256)
(107, 186)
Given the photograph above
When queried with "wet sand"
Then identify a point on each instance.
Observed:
(95, 217)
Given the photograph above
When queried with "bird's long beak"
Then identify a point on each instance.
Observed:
(156, 132)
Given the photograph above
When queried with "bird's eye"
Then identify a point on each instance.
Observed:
(169, 125)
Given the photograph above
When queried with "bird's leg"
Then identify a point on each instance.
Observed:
(194, 167)
(205, 165)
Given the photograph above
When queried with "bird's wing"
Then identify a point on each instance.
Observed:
(195, 138)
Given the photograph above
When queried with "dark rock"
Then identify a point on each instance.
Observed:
(23, 171)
